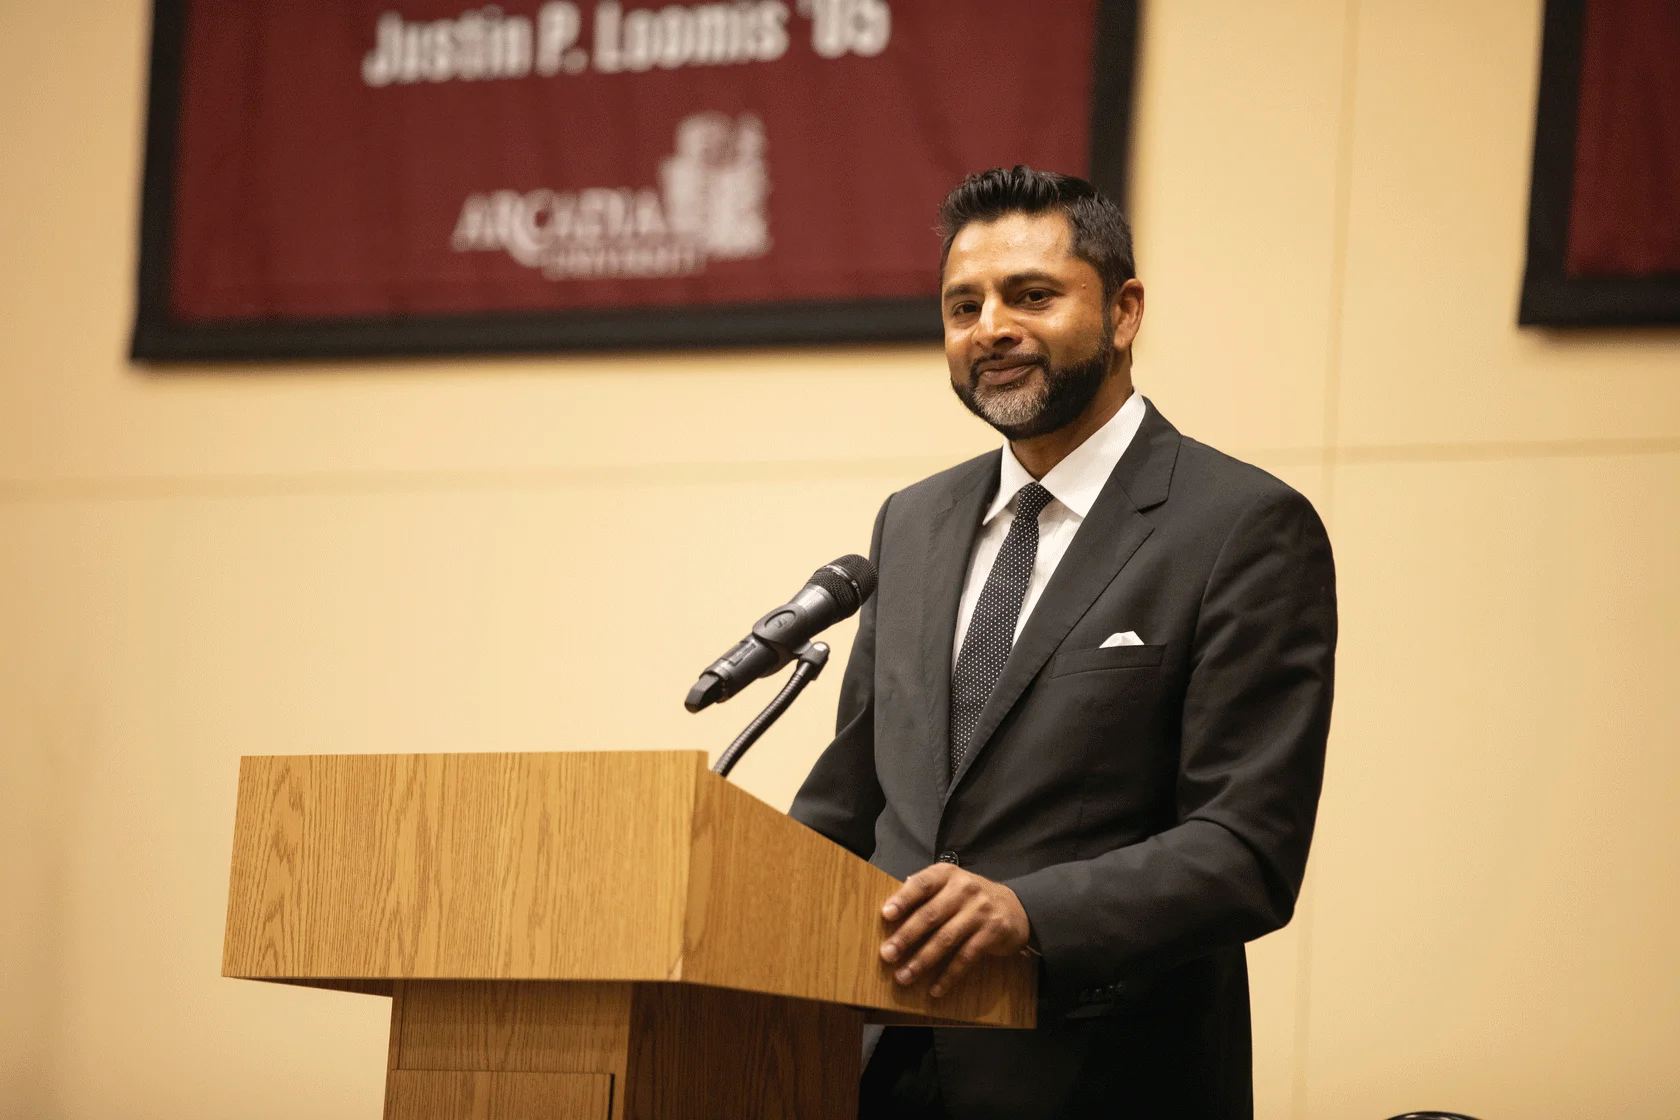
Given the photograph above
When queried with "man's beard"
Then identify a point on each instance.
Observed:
(1054, 401)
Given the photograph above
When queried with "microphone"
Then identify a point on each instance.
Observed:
(834, 592)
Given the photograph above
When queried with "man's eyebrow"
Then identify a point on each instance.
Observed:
(1020, 278)
(1013, 280)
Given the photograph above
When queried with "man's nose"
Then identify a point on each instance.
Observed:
(996, 327)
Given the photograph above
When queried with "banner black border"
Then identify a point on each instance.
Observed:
(159, 338)
(1550, 296)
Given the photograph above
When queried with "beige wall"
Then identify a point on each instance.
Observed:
(417, 557)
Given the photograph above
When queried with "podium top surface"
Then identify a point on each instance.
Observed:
(351, 871)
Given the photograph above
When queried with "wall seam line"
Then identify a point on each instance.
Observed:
(360, 483)
(1329, 443)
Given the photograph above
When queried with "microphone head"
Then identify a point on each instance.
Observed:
(708, 690)
(850, 580)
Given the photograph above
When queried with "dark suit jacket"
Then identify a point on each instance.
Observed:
(1151, 805)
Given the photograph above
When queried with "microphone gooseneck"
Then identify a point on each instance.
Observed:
(811, 661)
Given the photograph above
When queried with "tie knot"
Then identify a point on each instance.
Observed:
(1031, 499)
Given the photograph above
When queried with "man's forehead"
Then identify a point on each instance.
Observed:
(1014, 243)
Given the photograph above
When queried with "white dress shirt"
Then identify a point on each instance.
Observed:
(1074, 483)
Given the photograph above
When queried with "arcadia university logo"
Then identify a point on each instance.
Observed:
(710, 205)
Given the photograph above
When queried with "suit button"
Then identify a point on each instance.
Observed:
(950, 858)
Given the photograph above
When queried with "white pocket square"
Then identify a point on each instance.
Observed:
(1129, 638)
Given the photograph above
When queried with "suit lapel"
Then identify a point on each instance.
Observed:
(1106, 540)
(951, 535)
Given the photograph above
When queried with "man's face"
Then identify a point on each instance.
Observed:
(1028, 336)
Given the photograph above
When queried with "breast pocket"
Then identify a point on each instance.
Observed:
(1114, 657)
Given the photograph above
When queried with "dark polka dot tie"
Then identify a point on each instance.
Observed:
(991, 632)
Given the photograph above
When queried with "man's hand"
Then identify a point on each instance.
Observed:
(955, 914)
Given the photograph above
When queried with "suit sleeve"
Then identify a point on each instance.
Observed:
(1255, 720)
(842, 797)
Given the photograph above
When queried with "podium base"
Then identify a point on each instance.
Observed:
(559, 1050)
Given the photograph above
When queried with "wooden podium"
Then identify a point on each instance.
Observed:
(613, 934)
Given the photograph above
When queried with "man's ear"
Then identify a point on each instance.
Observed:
(1125, 309)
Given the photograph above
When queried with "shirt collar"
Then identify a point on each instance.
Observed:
(1078, 479)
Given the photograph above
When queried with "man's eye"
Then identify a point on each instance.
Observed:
(1036, 295)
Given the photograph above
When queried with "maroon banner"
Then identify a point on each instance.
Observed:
(367, 176)
(1624, 216)
(1604, 211)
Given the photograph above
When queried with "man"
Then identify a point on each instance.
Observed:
(1086, 711)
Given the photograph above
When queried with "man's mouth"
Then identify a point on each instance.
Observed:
(997, 375)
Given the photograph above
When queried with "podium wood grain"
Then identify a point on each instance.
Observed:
(702, 1052)
(356, 870)
(478, 1095)
(520, 1026)
(661, 1051)
(616, 935)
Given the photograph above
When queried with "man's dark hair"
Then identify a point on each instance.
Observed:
(1101, 236)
